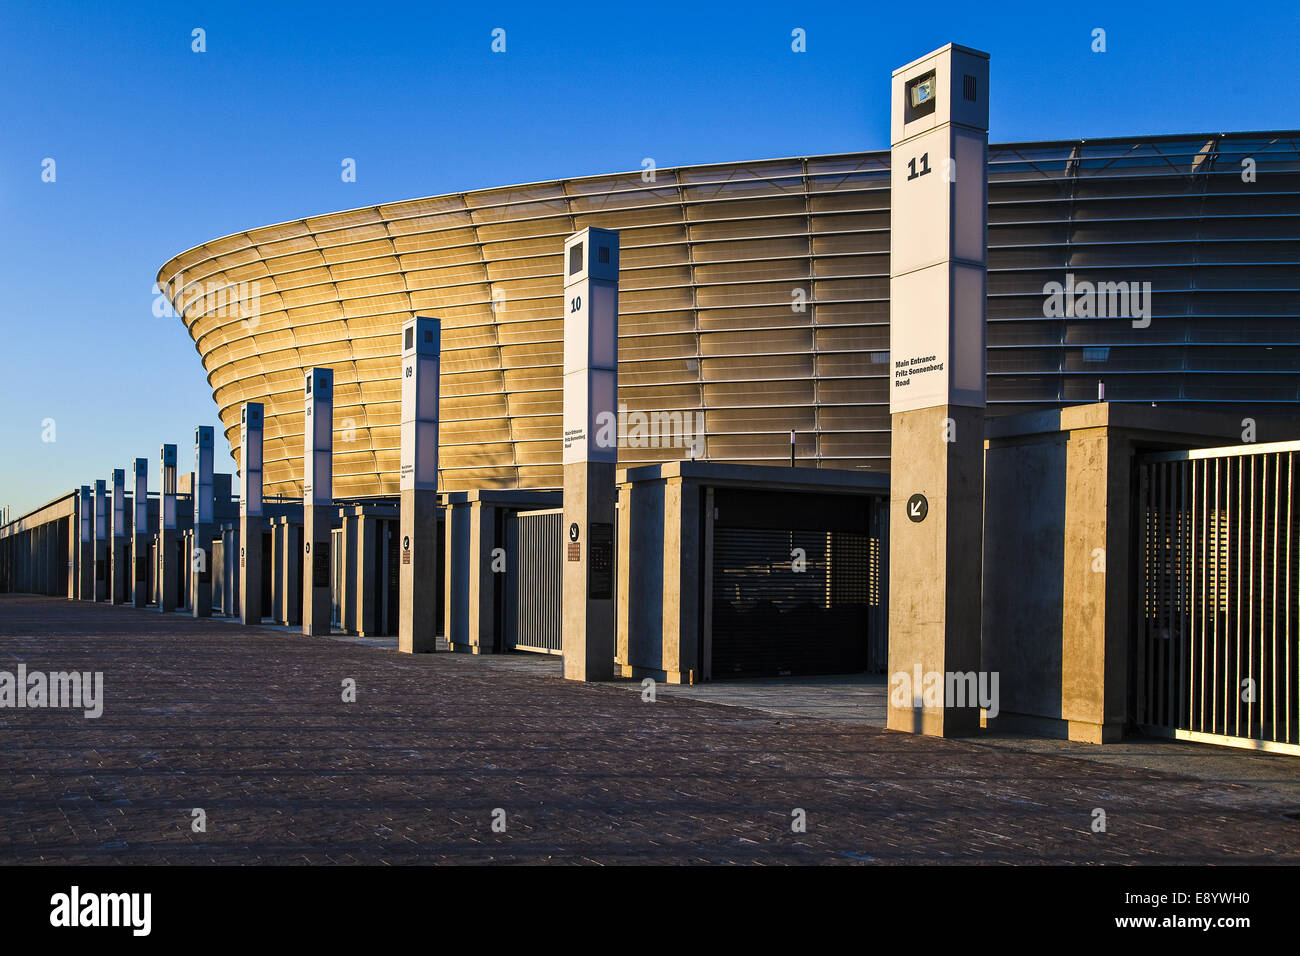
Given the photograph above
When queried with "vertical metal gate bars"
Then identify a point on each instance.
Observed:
(1217, 604)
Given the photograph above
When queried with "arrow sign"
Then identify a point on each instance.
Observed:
(917, 508)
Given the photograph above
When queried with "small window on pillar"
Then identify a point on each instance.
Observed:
(575, 259)
(410, 340)
(919, 97)
(428, 336)
(602, 255)
(968, 87)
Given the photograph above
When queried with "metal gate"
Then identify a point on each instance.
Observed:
(338, 565)
(797, 585)
(533, 616)
(1215, 655)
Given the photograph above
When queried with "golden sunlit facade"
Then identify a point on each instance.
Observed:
(755, 295)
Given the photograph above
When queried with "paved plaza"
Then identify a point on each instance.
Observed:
(250, 726)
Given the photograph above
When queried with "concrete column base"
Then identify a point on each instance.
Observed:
(120, 572)
(140, 571)
(417, 631)
(250, 570)
(934, 565)
(167, 571)
(201, 571)
(588, 621)
(316, 590)
(1057, 728)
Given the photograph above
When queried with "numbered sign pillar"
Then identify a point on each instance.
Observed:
(86, 553)
(168, 573)
(140, 535)
(120, 572)
(250, 514)
(100, 592)
(417, 617)
(317, 499)
(204, 517)
(938, 260)
(590, 453)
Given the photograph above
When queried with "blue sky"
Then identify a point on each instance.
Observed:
(158, 148)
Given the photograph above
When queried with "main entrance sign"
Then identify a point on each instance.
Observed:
(939, 198)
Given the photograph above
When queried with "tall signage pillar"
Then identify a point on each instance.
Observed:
(317, 499)
(937, 280)
(417, 617)
(167, 569)
(139, 535)
(100, 592)
(119, 569)
(86, 553)
(590, 451)
(204, 518)
(250, 514)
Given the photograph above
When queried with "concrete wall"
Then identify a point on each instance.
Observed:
(36, 549)
(1058, 578)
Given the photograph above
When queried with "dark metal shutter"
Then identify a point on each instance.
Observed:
(770, 619)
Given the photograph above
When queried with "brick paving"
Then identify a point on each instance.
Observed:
(249, 725)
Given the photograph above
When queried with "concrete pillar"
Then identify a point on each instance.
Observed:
(938, 253)
(74, 547)
(317, 499)
(286, 580)
(250, 514)
(99, 590)
(417, 627)
(371, 588)
(140, 535)
(120, 559)
(478, 563)
(456, 568)
(86, 544)
(167, 569)
(351, 575)
(53, 560)
(230, 550)
(201, 547)
(590, 453)
(187, 568)
(659, 590)
(277, 569)
(480, 617)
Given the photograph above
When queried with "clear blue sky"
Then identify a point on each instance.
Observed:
(158, 148)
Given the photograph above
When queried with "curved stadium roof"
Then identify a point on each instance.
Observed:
(714, 259)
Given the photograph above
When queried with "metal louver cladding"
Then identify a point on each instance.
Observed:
(754, 296)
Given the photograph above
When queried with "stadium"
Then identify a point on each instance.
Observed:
(756, 294)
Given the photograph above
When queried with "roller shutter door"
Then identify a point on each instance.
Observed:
(794, 584)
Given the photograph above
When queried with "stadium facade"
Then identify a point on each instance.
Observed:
(755, 300)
